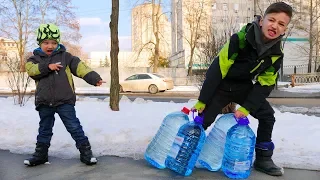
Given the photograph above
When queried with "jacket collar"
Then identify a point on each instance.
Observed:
(60, 48)
(254, 38)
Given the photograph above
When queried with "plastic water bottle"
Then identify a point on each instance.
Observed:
(158, 149)
(238, 154)
(213, 149)
(186, 147)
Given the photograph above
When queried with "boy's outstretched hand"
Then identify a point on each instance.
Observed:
(238, 114)
(55, 67)
(99, 83)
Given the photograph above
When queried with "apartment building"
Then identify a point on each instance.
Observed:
(8, 51)
(230, 15)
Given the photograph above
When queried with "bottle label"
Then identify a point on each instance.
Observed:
(176, 147)
(241, 165)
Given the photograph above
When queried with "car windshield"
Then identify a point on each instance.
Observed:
(158, 75)
(133, 77)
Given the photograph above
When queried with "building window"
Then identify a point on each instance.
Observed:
(214, 6)
(236, 7)
(225, 6)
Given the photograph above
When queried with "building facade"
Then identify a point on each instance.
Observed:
(143, 31)
(8, 53)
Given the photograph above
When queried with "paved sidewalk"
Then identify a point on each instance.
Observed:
(285, 94)
(115, 168)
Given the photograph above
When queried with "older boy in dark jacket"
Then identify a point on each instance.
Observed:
(253, 53)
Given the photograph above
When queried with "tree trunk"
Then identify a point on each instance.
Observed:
(310, 37)
(114, 88)
(190, 63)
(155, 26)
(20, 45)
(156, 58)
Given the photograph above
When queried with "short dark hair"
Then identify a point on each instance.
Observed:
(279, 7)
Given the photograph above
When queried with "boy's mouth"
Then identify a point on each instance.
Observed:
(272, 33)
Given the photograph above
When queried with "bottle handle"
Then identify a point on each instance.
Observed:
(200, 115)
(193, 111)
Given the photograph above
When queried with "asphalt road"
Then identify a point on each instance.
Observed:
(115, 168)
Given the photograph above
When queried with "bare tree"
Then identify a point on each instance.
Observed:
(115, 87)
(155, 28)
(312, 30)
(197, 21)
(18, 81)
(156, 18)
(17, 20)
(61, 12)
(209, 49)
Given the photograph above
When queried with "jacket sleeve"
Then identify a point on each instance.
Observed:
(262, 88)
(35, 69)
(219, 68)
(81, 70)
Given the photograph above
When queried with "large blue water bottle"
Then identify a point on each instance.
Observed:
(158, 149)
(239, 148)
(186, 147)
(213, 149)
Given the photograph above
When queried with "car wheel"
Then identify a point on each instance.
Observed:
(120, 89)
(153, 89)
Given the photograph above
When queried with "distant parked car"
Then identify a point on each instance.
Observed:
(146, 82)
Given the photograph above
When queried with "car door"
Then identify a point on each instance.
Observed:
(129, 83)
(144, 81)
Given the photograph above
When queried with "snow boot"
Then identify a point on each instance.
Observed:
(40, 156)
(263, 161)
(86, 154)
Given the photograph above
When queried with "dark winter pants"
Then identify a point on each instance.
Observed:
(67, 114)
(221, 98)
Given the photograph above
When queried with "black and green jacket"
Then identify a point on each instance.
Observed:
(239, 61)
(54, 88)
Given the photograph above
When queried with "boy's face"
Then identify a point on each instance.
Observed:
(274, 24)
(48, 46)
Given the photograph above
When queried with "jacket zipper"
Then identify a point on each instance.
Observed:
(262, 61)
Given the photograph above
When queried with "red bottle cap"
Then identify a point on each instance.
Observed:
(185, 110)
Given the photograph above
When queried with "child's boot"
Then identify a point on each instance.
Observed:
(263, 161)
(86, 154)
(40, 156)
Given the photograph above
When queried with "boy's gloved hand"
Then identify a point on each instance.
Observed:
(199, 106)
(241, 112)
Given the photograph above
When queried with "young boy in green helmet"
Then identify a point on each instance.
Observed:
(253, 53)
(52, 67)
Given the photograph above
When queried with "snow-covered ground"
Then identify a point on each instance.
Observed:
(308, 88)
(127, 133)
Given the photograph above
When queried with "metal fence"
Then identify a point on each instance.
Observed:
(296, 69)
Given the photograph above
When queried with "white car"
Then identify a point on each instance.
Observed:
(146, 82)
